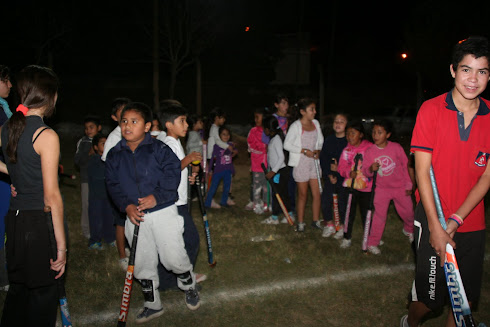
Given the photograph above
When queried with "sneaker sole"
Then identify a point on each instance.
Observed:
(195, 307)
(146, 319)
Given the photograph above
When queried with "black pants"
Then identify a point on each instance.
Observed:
(361, 198)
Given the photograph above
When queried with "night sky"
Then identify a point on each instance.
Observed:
(103, 49)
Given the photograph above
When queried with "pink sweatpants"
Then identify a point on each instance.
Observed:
(403, 205)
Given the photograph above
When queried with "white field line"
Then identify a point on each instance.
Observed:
(226, 295)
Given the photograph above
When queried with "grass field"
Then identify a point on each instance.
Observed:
(297, 279)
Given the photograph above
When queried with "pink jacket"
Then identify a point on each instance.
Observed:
(257, 149)
(346, 165)
(393, 169)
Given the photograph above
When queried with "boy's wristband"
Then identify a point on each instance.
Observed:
(457, 219)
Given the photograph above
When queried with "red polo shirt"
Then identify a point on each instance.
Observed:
(459, 155)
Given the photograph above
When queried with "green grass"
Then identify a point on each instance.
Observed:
(299, 279)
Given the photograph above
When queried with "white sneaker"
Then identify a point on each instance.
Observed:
(270, 221)
(230, 202)
(300, 227)
(345, 243)
(404, 321)
(249, 206)
(214, 205)
(127, 252)
(259, 208)
(124, 263)
(201, 278)
(374, 249)
(285, 220)
(409, 235)
(328, 231)
(339, 234)
(5, 288)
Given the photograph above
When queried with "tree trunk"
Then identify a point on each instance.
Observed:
(173, 80)
(198, 87)
(156, 68)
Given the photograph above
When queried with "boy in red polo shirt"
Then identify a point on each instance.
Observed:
(451, 133)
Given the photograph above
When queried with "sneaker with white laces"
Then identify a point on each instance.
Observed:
(328, 231)
(409, 235)
(147, 314)
(300, 227)
(317, 225)
(339, 234)
(345, 243)
(272, 220)
(192, 299)
(373, 249)
(404, 321)
(124, 263)
(249, 206)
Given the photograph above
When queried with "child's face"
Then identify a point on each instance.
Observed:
(155, 125)
(310, 112)
(133, 127)
(380, 137)
(354, 137)
(258, 119)
(267, 131)
(198, 125)
(471, 76)
(339, 124)
(117, 117)
(282, 107)
(91, 129)
(5, 87)
(219, 121)
(178, 128)
(224, 136)
(99, 147)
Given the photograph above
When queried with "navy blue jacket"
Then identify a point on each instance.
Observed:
(152, 168)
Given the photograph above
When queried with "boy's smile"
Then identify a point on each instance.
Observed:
(133, 128)
(471, 77)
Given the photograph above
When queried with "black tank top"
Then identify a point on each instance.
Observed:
(26, 174)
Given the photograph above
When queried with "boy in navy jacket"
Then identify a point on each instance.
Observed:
(142, 176)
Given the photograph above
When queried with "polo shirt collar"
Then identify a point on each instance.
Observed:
(482, 109)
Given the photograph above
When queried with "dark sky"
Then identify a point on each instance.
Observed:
(102, 44)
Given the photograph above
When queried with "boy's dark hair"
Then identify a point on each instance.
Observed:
(358, 126)
(4, 73)
(280, 97)
(385, 123)
(97, 138)
(474, 45)
(224, 128)
(141, 108)
(170, 114)
(192, 120)
(92, 119)
(117, 103)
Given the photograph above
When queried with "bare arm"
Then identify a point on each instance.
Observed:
(438, 236)
(48, 147)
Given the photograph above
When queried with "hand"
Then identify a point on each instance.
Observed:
(334, 165)
(353, 174)
(333, 179)
(451, 227)
(438, 240)
(270, 175)
(195, 156)
(147, 202)
(374, 167)
(59, 264)
(134, 214)
(13, 192)
(316, 154)
(192, 178)
(308, 153)
(230, 147)
(408, 192)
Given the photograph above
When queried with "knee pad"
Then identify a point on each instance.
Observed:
(185, 278)
(147, 288)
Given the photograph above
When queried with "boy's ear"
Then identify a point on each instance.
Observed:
(99, 128)
(168, 125)
(388, 135)
(114, 118)
(147, 126)
(451, 69)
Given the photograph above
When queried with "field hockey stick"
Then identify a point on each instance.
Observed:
(317, 168)
(367, 225)
(279, 199)
(349, 199)
(211, 260)
(189, 189)
(65, 313)
(461, 309)
(335, 200)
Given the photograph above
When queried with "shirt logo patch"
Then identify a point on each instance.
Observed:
(481, 159)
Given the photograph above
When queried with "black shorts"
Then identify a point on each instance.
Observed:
(430, 285)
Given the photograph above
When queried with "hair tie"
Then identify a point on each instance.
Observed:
(22, 109)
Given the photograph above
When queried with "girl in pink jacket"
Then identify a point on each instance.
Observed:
(392, 183)
(258, 156)
(356, 144)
